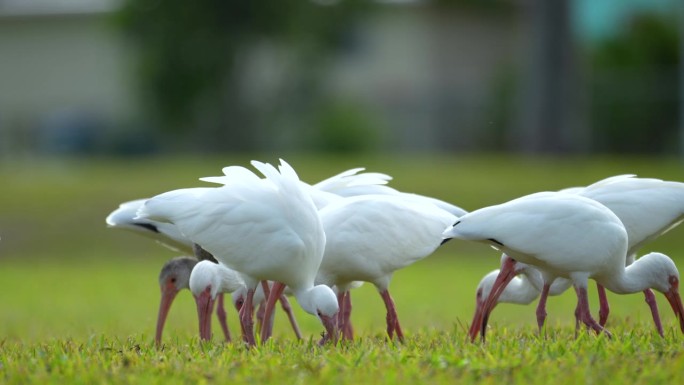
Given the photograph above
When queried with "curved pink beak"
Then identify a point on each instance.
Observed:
(506, 274)
(205, 307)
(331, 331)
(168, 293)
(476, 324)
(676, 301)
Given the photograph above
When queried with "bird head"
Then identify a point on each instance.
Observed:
(675, 300)
(481, 293)
(486, 303)
(321, 301)
(238, 298)
(661, 274)
(173, 277)
(205, 283)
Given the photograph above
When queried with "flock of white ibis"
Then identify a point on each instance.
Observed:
(263, 238)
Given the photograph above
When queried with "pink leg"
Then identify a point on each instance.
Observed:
(260, 315)
(340, 314)
(577, 318)
(604, 308)
(274, 295)
(285, 304)
(583, 314)
(541, 306)
(262, 306)
(392, 318)
(265, 288)
(246, 321)
(221, 315)
(651, 301)
(348, 329)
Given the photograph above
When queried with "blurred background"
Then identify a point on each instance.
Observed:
(116, 77)
(472, 101)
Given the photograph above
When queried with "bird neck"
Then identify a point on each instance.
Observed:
(230, 280)
(631, 279)
(305, 298)
(533, 278)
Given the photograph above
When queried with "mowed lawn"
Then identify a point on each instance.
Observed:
(79, 301)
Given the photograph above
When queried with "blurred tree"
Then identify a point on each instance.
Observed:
(191, 56)
(635, 88)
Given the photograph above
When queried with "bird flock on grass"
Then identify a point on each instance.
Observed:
(263, 237)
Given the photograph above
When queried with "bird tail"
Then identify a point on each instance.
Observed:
(124, 214)
(169, 206)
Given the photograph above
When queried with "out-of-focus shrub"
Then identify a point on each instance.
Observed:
(635, 87)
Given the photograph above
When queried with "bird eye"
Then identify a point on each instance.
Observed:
(319, 313)
(173, 280)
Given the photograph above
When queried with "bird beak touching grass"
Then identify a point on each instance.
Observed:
(506, 274)
(205, 307)
(168, 293)
(676, 301)
(331, 332)
(477, 317)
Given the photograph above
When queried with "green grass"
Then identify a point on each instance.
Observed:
(79, 301)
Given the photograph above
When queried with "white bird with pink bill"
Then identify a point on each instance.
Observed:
(570, 236)
(647, 208)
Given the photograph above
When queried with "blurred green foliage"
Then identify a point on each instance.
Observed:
(635, 87)
(190, 55)
(345, 127)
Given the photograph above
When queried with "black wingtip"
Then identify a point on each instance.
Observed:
(445, 240)
(148, 226)
(495, 241)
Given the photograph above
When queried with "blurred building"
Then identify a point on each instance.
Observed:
(65, 75)
(484, 75)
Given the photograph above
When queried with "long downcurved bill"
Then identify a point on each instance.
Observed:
(168, 293)
(205, 307)
(484, 309)
(476, 324)
(676, 301)
(331, 330)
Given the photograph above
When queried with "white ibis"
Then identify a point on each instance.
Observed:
(567, 235)
(647, 207)
(522, 289)
(175, 273)
(267, 229)
(370, 237)
(208, 280)
(350, 184)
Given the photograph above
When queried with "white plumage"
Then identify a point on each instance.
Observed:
(370, 237)
(267, 229)
(567, 235)
(646, 207)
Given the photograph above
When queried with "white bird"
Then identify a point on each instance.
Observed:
(647, 208)
(523, 289)
(370, 237)
(570, 236)
(266, 229)
(209, 280)
(175, 273)
(350, 184)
